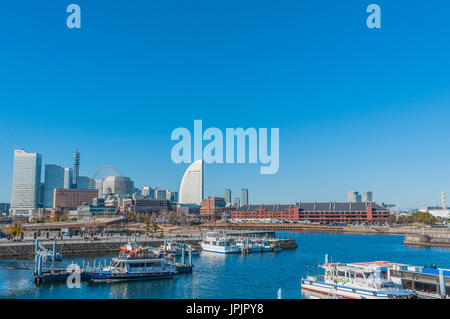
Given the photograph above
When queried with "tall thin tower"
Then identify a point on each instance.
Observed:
(444, 204)
(76, 168)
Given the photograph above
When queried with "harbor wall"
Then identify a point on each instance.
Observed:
(427, 240)
(67, 247)
(310, 228)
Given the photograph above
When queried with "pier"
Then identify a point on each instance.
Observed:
(442, 240)
(68, 246)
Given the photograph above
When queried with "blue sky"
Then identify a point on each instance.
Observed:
(357, 108)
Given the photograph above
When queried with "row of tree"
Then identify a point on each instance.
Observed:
(417, 217)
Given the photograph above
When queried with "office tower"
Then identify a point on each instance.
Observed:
(118, 185)
(368, 196)
(145, 191)
(236, 202)
(160, 194)
(68, 177)
(54, 178)
(228, 197)
(76, 168)
(354, 197)
(26, 183)
(82, 182)
(244, 196)
(98, 185)
(172, 196)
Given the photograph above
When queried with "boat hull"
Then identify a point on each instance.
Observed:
(103, 276)
(330, 291)
(221, 249)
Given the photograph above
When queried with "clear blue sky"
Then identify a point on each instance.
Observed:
(357, 108)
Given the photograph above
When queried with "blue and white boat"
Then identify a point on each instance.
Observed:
(122, 269)
(354, 281)
(215, 243)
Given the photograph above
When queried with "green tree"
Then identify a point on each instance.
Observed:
(15, 230)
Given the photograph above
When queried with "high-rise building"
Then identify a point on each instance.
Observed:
(76, 169)
(191, 187)
(4, 208)
(54, 178)
(26, 183)
(118, 185)
(172, 196)
(368, 196)
(98, 185)
(82, 182)
(160, 194)
(228, 197)
(354, 197)
(244, 196)
(68, 177)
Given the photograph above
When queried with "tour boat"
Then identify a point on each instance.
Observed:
(215, 243)
(354, 281)
(123, 268)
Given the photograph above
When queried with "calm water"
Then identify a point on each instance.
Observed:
(234, 276)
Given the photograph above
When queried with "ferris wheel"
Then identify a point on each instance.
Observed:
(100, 170)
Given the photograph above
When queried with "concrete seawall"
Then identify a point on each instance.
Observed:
(427, 240)
(77, 247)
(310, 228)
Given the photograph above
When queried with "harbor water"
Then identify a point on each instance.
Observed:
(258, 275)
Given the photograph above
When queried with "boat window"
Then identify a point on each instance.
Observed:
(154, 264)
(359, 275)
(341, 273)
(352, 274)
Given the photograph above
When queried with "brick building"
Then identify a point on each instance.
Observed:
(316, 212)
(72, 198)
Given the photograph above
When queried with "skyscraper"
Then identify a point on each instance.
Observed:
(68, 178)
(354, 197)
(244, 196)
(26, 183)
(368, 196)
(191, 187)
(228, 197)
(82, 182)
(76, 168)
(118, 185)
(54, 178)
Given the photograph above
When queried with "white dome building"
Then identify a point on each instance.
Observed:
(191, 188)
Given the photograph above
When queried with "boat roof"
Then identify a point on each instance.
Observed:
(136, 259)
(378, 264)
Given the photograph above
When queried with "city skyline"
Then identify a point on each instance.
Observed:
(357, 108)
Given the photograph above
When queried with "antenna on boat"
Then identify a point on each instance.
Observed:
(326, 258)
(280, 293)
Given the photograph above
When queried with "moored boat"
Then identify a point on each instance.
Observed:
(122, 269)
(215, 243)
(354, 281)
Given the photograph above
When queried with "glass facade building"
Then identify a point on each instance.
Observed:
(54, 178)
(26, 183)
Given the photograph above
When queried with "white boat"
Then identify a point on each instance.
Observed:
(215, 243)
(123, 269)
(354, 281)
